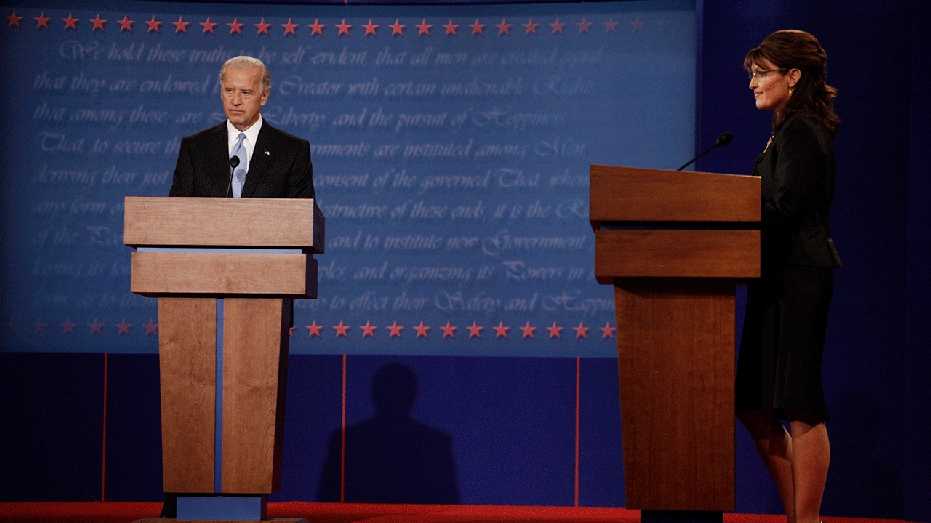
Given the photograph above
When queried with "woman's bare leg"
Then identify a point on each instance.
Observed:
(811, 451)
(775, 446)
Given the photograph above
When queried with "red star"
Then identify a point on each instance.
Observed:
(637, 25)
(421, 330)
(451, 28)
(317, 28)
(41, 20)
(235, 26)
(67, 326)
(395, 330)
(504, 27)
(314, 330)
(583, 25)
(397, 28)
(610, 26)
(370, 28)
(96, 327)
(126, 24)
(477, 27)
(581, 331)
(368, 329)
(98, 23)
(71, 22)
(290, 332)
(557, 26)
(475, 330)
(40, 325)
(530, 27)
(555, 331)
(289, 27)
(181, 25)
(343, 28)
(608, 330)
(153, 25)
(501, 330)
(123, 327)
(341, 329)
(151, 327)
(449, 330)
(527, 330)
(262, 27)
(14, 20)
(208, 26)
(423, 28)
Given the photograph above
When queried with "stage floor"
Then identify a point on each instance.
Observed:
(63, 512)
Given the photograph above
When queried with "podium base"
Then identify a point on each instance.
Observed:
(220, 507)
(681, 516)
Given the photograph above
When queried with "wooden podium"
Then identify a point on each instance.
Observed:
(674, 245)
(239, 262)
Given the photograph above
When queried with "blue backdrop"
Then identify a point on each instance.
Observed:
(450, 144)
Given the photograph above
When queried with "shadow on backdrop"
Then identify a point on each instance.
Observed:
(392, 458)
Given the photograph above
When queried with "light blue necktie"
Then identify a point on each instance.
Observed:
(239, 173)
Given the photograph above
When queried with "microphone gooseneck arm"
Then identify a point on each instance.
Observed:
(722, 140)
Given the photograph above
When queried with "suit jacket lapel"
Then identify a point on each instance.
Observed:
(219, 161)
(261, 157)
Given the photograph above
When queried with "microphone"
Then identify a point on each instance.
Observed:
(234, 162)
(722, 140)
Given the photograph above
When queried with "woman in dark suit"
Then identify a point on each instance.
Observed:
(779, 365)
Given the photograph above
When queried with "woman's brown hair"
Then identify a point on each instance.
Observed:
(811, 96)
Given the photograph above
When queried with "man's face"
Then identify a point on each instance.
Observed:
(242, 96)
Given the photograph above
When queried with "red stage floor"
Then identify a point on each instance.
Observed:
(359, 513)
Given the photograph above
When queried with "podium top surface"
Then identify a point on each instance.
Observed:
(629, 194)
(223, 222)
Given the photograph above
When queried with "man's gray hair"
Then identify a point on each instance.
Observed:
(245, 62)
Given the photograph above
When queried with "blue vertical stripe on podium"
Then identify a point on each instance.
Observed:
(218, 417)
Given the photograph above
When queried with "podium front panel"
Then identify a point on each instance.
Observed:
(255, 358)
(187, 354)
(629, 194)
(223, 222)
(223, 273)
(676, 254)
(675, 353)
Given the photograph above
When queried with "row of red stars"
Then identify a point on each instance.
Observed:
(475, 330)
(97, 327)
(397, 28)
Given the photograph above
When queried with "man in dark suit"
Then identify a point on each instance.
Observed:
(244, 156)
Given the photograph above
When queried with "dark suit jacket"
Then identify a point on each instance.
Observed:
(798, 174)
(280, 165)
